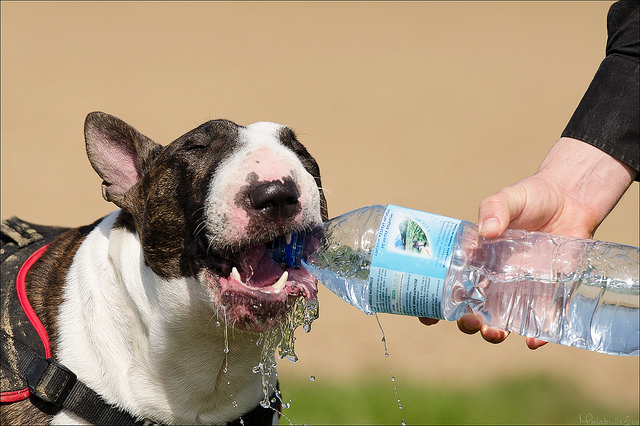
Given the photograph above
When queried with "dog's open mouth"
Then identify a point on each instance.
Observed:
(252, 291)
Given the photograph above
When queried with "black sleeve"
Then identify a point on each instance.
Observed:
(608, 116)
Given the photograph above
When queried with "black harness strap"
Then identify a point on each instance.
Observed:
(54, 383)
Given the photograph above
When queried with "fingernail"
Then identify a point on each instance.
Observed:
(489, 226)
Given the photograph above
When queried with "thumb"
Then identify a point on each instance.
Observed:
(498, 210)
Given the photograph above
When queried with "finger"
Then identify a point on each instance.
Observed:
(493, 335)
(428, 321)
(469, 324)
(535, 343)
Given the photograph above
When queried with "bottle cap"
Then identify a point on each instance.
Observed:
(290, 252)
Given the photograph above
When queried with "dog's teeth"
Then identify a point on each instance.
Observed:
(287, 237)
(282, 281)
(235, 274)
(276, 288)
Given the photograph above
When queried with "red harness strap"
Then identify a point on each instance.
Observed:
(21, 394)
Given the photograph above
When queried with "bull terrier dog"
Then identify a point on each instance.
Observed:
(156, 310)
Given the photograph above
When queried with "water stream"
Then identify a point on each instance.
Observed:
(282, 339)
(393, 378)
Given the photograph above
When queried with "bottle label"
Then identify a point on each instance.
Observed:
(410, 261)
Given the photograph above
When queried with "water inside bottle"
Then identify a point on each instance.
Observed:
(573, 292)
(596, 317)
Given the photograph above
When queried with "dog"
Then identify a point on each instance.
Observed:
(158, 307)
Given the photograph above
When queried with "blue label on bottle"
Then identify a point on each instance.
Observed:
(410, 261)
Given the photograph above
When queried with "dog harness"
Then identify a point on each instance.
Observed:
(26, 367)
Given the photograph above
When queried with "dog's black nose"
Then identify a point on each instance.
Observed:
(275, 198)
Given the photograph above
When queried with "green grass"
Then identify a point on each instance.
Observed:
(523, 400)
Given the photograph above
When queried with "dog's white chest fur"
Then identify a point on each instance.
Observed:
(147, 344)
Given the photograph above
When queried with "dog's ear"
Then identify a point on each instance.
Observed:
(118, 153)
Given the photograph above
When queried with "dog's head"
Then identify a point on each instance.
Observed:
(208, 205)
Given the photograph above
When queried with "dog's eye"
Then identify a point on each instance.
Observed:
(195, 145)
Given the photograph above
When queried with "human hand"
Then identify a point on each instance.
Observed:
(575, 188)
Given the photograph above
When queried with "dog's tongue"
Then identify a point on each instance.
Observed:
(259, 269)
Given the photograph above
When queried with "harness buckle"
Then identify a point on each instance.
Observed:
(50, 381)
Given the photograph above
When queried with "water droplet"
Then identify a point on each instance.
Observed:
(285, 405)
(395, 389)
(312, 378)
(404, 422)
(235, 404)
(218, 324)
(226, 339)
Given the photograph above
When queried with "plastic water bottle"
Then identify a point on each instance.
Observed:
(575, 292)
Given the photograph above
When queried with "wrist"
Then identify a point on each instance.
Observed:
(587, 175)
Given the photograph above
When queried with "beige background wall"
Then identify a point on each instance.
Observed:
(431, 105)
